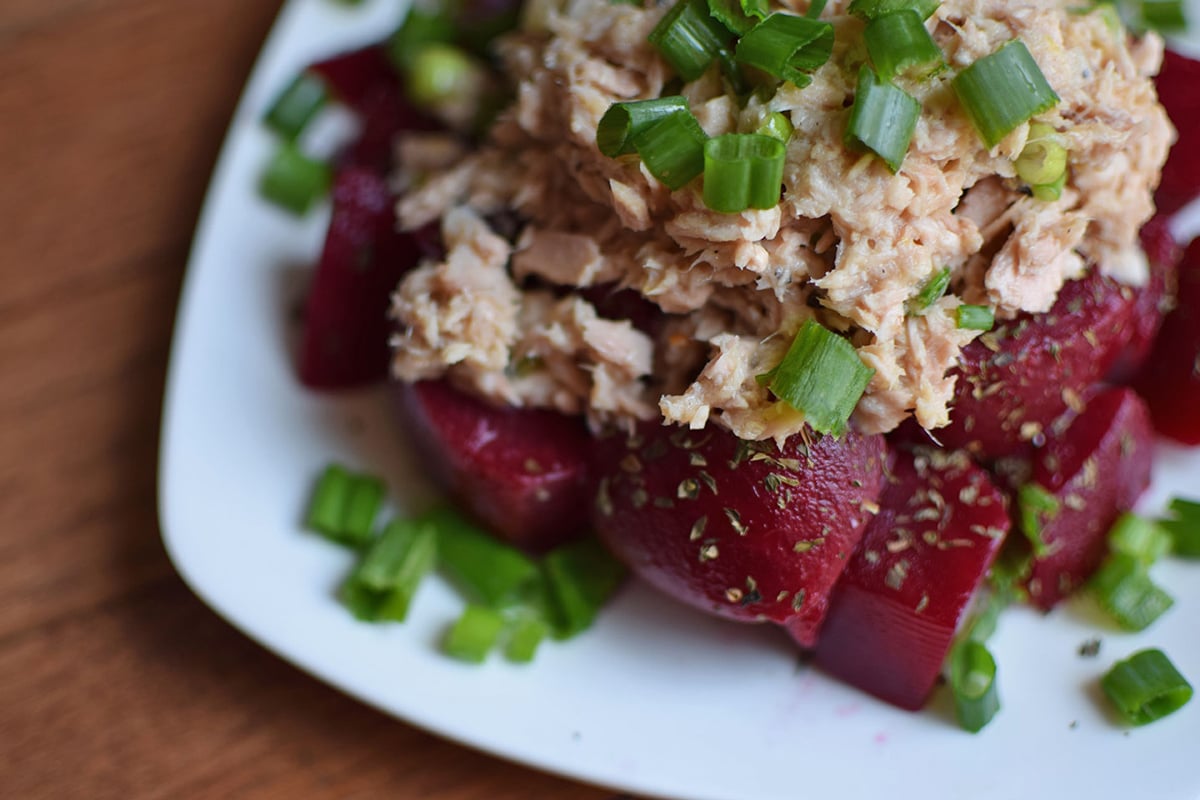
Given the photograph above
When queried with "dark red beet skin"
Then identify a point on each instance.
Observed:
(346, 326)
(894, 613)
(1096, 470)
(1152, 301)
(522, 472)
(1170, 381)
(741, 530)
(1179, 91)
(1015, 381)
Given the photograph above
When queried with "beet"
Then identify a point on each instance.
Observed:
(1177, 82)
(1096, 470)
(1152, 301)
(743, 530)
(346, 326)
(910, 583)
(523, 473)
(1014, 382)
(1170, 381)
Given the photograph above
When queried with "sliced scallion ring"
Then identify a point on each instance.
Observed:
(870, 9)
(689, 38)
(623, 121)
(742, 170)
(1141, 538)
(1183, 525)
(672, 149)
(898, 44)
(882, 119)
(1122, 586)
(933, 290)
(974, 318)
(777, 126)
(973, 681)
(1002, 90)
(787, 46)
(1146, 686)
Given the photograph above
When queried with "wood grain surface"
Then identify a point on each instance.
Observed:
(115, 681)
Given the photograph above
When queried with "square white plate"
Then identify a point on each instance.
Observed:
(656, 700)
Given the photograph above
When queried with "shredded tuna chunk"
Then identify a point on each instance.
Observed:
(850, 243)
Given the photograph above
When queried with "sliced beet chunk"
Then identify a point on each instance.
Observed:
(523, 473)
(1177, 82)
(1170, 379)
(1094, 471)
(744, 530)
(1013, 382)
(910, 583)
(1152, 301)
(346, 327)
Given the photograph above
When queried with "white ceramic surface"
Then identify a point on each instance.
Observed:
(656, 699)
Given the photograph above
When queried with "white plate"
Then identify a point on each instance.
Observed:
(656, 699)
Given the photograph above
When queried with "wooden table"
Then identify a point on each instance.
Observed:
(115, 681)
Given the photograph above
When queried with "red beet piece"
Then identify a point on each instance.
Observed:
(346, 325)
(742, 530)
(522, 472)
(1015, 381)
(1170, 381)
(911, 581)
(1152, 301)
(1095, 470)
(1177, 90)
(355, 75)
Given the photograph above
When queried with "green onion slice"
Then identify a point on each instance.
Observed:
(487, 571)
(777, 126)
(1049, 192)
(815, 9)
(1036, 506)
(623, 121)
(689, 38)
(1123, 588)
(1166, 16)
(1183, 526)
(440, 73)
(524, 637)
(734, 15)
(933, 290)
(294, 181)
(787, 47)
(297, 105)
(581, 576)
(344, 505)
(474, 635)
(882, 119)
(1141, 538)
(822, 377)
(974, 318)
(1002, 90)
(672, 149)
(421, 27)
(742, 170)
(973, 681)
(899, 45)
(383, 584)
(871, 9)
(1146, 686)
(1044, 157)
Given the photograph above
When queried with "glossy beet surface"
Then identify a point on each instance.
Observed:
(1170, 381)
(346, 326)
(893, 615)
(1152, 301)
(522, 472)
(1095, 470)
(742, 530)
(1179, 90)
(1016, 380)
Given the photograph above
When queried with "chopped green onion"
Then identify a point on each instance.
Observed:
(882, 119)
(689, 38)
(1146, 686)
(1036, 506)
(973, 681)
(787, 47)
(581, 576)
(1002, 90)
(439, 73)
(933, 290)
(899, 45)
(474, 635)
(488, 571)
(1123, 588)
(383, 584)
(1166, 16)
(742, 170)
(822, 377)
(871, 9)
(974, 318)
(1184, 527)
(777, 126)
(732, 15)
(421, 28)
(1049, 192)
(1141, 538)
(293, 181)
(344, 505)
(297, 105)
(673, 149)
(623, 121)
(523, 639)
(815, 9)
(1043, 160)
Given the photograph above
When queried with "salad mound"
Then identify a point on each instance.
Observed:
(850, 244)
